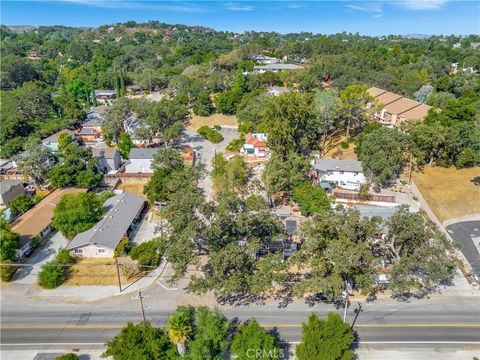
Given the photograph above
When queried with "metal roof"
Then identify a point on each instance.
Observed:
(338, 165)
(290, 227)
(122, 209)
(370, 211)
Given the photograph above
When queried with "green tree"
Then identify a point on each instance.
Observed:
(382, 155)
(251, 340)
(228, 101)
(326, 109)
(290, 123)
(140, 341)
(427, 142)
(9, 242)
(283, 174)
(149, 253)
(353, 106)
(311, 199)
(76, 213)
(211, 337)
(203, 105)
(255, 202)
(22, 203)
(36, 162)
(64, 139)
(125, 144)
(328, 339)
(231, 174)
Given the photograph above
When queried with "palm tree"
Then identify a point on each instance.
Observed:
(179, 330)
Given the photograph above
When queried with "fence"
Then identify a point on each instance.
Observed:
(353, 196)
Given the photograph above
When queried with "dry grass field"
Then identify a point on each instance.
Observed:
(450, 193)
(98, 272)
(216, 119)
(133, 187)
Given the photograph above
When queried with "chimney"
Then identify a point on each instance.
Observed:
(383, 113)
(394, 118)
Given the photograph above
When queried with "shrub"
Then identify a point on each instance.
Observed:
(236, 144)
(344, 145)
(217, 127)
(210, 134)
(52, 275)
(123, 247)
(148, 253)
(69, 356)
(311, 199)
(7, 272)
(64, 258)
(255, 202)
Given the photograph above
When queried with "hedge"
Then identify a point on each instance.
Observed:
(210, 134)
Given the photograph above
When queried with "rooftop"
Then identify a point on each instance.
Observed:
(54, 137)
(88, 131)
(36, 219)
(278, 67)
(93, 122)
(143, 153)
(6, 185)
(105, 153)
(338, 165)
(121, 209)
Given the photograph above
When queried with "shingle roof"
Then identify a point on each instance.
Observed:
(105, 153)
(338, 165)
(94, 121)
(6, 185)
(109, 231)
(104, 92)
(54, 137)
(369, 211)
(87, 131)
(143, 153)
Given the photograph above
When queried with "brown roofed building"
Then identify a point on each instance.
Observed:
(397, 108)
(37, 220)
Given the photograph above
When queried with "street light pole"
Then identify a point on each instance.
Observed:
(118, 276)
(346, 303)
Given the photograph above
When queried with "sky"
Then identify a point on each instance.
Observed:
(430, 17)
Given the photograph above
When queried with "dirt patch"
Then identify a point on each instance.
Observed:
(133, 187)
(450, 193)
(216, 119)
(101, 272)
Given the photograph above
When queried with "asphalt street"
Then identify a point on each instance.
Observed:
(448, 322)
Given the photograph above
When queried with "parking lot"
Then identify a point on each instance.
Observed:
(467, 234)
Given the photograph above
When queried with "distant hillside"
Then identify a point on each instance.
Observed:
(21, 28)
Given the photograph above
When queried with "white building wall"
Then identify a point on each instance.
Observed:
(139, 166)
(346, 180)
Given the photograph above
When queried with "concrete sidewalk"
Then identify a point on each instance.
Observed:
(93, 293)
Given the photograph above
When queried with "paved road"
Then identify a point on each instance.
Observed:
(438, 323)
(466, 233)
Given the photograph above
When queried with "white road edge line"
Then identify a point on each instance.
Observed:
(163, 286)
(288, 342)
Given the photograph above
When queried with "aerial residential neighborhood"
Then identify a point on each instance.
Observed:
(274, 180)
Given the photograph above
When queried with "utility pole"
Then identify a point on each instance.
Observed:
(346, 302)
(118, 275)
(141, 305)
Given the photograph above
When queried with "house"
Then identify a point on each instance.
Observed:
(263, 59)
(52, 141)
(277, 90)
(260, 69)
(9, 170)
(103, 96)
(382, 212)
(91, 131)
(37, 221)
(397, 109)
(103, 238)
(475, 45)
(255, 147)
(346, 174)
(109, 159)
(140, 160)
(9, 189)
(134, 89)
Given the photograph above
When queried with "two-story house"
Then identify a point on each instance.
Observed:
(255, 147)
(346, 174)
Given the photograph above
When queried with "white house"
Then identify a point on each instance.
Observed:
(346, 174)
(263, 59)
(255, 147)
(260, 69)
(277, 90)
(140, 161)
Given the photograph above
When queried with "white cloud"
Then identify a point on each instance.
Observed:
(121, 4)
(373, 7)
(239, 7)
(422, 4)
(294, 6)
(377, 16)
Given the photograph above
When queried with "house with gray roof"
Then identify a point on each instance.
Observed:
(9, 189)
(109, 160)
(277, 90)
(346, 174)
(140, 160)
(103, 238)
(260, 69)
(103, 95)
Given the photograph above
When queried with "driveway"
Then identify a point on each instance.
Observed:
(28, 275)
(467, 233)
(205, 151)
(143, 232)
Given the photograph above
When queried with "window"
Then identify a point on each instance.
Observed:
(78, 251)
(101, 250)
